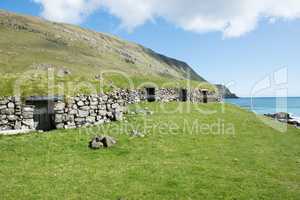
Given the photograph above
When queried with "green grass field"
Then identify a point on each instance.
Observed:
(180, 158)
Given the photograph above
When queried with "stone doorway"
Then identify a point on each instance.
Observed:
(150, 94)
(183, 95)
(43, 115)
(205, 96)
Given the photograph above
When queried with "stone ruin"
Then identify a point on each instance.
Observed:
(14, 115)
(44, 113)
(88, 110)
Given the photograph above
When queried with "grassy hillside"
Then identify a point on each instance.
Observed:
(253, 162)
(32, 48)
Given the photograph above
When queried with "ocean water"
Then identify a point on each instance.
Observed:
(264, 105)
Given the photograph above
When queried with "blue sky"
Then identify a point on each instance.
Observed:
(243, 60)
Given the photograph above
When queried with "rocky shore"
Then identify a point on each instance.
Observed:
(285, 118)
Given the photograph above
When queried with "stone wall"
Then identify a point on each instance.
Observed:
(89, 110)
(167, 94)
(14, 115)
(84, 110)
(196, 96)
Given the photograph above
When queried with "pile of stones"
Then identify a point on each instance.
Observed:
(102, 141)
(14, 116)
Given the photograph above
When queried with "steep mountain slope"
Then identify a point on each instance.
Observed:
(225, 92)
(30, 47)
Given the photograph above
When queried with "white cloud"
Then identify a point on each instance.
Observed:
(71, 11)
(231, 17)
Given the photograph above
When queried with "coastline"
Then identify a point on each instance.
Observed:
(266, 106)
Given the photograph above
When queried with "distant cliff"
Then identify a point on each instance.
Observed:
(225, 92)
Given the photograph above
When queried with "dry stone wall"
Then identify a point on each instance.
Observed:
(195, 95)
(14, 115)
(89, 110)
(84, 110)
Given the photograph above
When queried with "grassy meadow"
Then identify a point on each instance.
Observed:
(186, 154)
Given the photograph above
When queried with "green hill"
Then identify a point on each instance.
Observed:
(31, 48)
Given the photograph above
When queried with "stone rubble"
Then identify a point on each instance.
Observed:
(102, 141)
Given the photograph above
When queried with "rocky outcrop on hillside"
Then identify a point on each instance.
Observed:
(225, 92)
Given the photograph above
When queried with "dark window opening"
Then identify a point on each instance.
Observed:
(44, 116)
(183, 95)
(205, 98)
(150, 94)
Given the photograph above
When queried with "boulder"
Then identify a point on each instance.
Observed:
(96, 143)
(285, 118)
(102, 142)
(293, 122)
(282, 115)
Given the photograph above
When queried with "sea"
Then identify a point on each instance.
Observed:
(266, 105)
